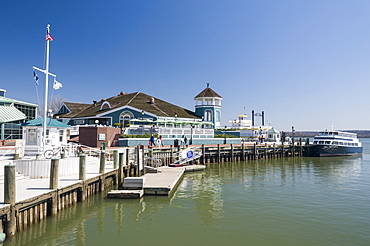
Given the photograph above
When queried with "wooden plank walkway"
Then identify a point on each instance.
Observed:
(163, 182)
(31, 188)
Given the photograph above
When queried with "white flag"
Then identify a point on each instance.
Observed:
(57, 84)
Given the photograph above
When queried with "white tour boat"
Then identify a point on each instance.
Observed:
(335, 143)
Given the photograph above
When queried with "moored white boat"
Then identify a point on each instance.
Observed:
(335, 143)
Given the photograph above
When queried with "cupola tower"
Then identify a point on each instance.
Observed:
(208, 106)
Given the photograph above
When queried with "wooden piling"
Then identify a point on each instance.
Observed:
(120, 169)
(218, 153)
(9, 184)
(231, 152)
(82, 168)
(129, 174)
(115, 159)
(102, 162)
(203, 154)
(254, 151)
(243, 152)
(53, 184)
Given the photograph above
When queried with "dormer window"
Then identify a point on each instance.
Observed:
(105, 105)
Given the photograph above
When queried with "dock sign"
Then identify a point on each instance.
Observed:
(190, 154)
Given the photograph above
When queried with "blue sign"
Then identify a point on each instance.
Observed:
(190, 154)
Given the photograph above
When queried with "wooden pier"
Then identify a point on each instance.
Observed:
(29, 201)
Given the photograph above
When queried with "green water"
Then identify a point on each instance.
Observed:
(291, 201)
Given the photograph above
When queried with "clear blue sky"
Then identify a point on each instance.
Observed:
(304, 63)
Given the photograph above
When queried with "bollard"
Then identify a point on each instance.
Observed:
(54, 174)
(16, 157)
(82, 169)
(38, 156)
(115, 159)
(102, 162)
(9, 184)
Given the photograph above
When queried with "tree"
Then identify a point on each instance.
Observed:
(55, 103)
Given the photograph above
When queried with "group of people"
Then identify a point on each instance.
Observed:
(153, 142)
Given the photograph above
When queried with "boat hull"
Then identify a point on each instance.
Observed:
(333, 150)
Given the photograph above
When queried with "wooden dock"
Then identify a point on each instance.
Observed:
(164, 182)
(34, 199)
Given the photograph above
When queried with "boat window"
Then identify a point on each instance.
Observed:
(340, 143)
(356, 144)
(327, 142)
(315, 142)
(321, 142)
(335, 142)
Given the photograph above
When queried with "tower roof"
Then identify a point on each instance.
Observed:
(208, 92)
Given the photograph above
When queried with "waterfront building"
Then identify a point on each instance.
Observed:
(140, 113)
(12, 113)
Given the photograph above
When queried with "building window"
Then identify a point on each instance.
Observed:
(208, 115)
(218, 116)
(125, 118)
(61, 133)
(31, 136)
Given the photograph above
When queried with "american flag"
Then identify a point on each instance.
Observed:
(48, 36)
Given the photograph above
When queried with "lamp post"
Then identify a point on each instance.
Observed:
(142, 114)
(96, 122)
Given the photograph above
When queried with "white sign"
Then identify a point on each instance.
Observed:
(101, 136)
(141, 162)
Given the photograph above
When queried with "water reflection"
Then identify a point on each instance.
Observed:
(210, 199)
(206, 192)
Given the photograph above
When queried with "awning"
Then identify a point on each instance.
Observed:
(10, 113)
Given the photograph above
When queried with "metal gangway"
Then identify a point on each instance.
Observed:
(187, 155)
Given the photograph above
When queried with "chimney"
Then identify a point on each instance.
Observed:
(151, 100)
(94, 102)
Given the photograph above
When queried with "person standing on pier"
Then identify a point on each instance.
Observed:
(151, 141)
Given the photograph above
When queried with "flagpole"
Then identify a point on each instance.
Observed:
(46, 86)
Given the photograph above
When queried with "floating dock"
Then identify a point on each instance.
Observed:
(164, 182)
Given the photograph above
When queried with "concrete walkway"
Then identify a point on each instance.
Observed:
(28, 188)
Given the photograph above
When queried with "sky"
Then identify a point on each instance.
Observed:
(304, 63)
